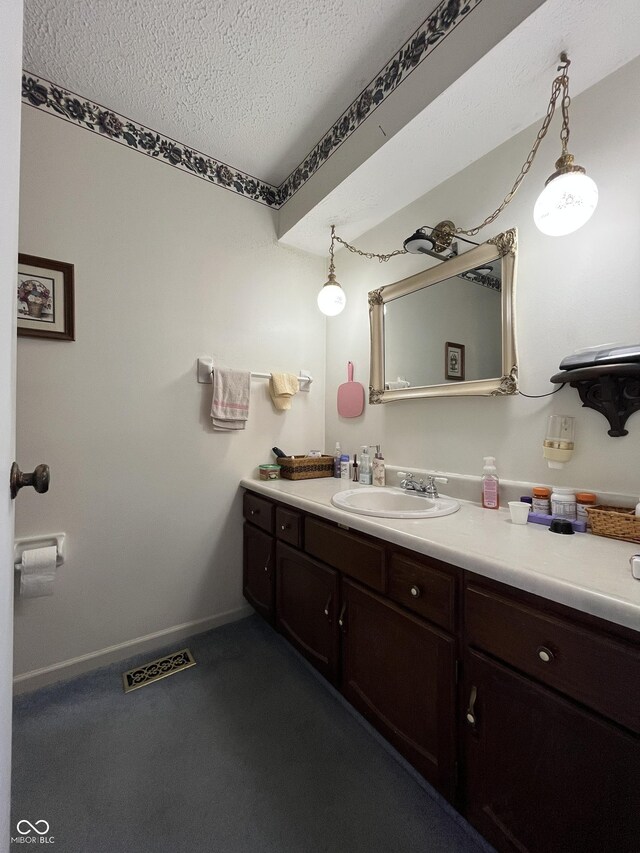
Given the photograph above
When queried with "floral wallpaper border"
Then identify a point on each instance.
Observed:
(432, 32)
(47, 96)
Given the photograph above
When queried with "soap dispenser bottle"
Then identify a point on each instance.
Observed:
(379, 476)
(490, 484)
(365, 466)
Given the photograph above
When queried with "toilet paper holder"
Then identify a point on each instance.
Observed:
(26, 543)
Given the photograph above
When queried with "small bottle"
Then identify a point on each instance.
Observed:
(337, 455)
(583, 500)
(541, 500)
(356, 475)
(345, 465)
(365, 466)
(490, 484)
(563, 503)
(379, 476)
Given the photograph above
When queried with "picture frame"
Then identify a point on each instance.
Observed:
(454, 361)
(45, 298)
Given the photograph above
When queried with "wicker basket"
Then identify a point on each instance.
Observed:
(617, 522)
(305, 467)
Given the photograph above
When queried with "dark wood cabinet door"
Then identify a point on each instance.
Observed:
(258, 575)
(306, 608)
(542, 774)
(399, 673)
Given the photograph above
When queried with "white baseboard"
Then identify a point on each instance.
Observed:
(85, 663)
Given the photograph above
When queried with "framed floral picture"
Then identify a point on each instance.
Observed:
(45, 298)
(453, 361)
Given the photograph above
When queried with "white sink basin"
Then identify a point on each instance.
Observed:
(393, 503)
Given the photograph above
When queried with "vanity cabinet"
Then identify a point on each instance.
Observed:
(537, 742)
(551, 718)
(258, 567)
(258, 576)
(399, 672)
(306, 607)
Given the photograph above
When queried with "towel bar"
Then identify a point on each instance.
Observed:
(205, 371)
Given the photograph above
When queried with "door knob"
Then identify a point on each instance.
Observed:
(39, 479)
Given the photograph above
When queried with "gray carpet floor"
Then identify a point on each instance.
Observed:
(247, 752)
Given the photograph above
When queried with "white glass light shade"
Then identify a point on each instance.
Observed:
(331, 299)
(565, 204)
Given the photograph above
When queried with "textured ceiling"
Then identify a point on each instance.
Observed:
(255, 84)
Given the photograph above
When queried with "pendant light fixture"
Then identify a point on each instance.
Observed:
(570, 196)
(566, 203)
(332, 299)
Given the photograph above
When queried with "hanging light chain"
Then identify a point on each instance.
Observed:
(369, 255)
(560, 84)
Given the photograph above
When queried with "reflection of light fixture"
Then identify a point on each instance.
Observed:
(331, 299)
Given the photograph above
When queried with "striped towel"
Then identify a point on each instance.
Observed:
(230, 403)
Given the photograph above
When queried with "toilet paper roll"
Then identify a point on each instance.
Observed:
(38, 571)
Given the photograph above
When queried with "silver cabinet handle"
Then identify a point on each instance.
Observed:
(471, 713)
(415, 591)
(545, 654)
(284, 527)
(254, 512)
(341, 619)
(327, 606)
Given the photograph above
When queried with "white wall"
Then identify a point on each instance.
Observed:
(167, 268)
(571, 292)
(10, 43)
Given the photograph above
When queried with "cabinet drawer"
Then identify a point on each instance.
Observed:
(289, 526)
(258, 511)
(423, 588)
(596, 670)
(351, 554)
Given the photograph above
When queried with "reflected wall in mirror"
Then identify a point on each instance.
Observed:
(469, 300)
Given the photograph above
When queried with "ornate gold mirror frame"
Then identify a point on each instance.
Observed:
(503, 246)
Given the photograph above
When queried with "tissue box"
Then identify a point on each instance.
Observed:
(305, 467)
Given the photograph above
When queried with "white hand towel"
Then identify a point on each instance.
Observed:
(230, 403)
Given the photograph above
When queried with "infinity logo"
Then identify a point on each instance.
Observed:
(32, 827)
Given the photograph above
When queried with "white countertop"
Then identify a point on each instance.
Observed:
(586, 572)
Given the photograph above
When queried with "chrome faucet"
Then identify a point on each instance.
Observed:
(429, 489)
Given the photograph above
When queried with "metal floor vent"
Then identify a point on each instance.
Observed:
(157, 669)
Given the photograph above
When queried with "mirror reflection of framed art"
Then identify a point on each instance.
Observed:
(453, 361)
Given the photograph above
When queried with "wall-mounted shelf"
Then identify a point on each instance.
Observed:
(611, 389)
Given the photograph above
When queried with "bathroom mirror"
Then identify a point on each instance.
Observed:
(448, 331)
